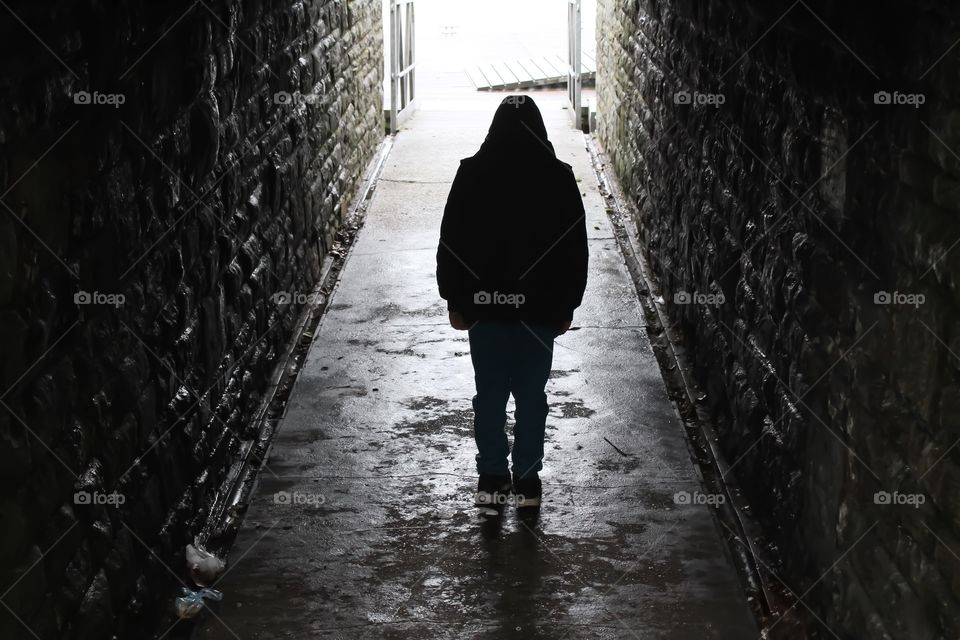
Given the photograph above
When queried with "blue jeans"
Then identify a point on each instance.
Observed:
(510, 357)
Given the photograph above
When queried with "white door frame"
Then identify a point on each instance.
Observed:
(403, 96)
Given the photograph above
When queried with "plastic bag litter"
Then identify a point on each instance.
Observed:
(204, 567)
(191, 602)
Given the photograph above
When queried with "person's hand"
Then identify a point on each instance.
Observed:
(457, 321)
(562, 329)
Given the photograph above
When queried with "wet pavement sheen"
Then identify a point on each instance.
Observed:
(362, 525)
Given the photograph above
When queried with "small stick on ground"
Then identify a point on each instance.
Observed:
(618, 450)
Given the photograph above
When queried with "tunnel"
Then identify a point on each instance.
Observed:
(234, 403)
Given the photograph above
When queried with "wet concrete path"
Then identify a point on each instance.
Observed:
(362, 525)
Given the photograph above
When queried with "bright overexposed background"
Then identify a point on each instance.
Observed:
(452, 34)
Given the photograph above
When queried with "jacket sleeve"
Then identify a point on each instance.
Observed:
(453, 276)
(575, 252)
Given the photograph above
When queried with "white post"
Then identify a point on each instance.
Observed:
(394, 64)
(574, 63)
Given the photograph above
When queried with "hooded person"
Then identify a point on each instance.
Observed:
(512, 266)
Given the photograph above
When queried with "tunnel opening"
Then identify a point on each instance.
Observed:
(458, 55)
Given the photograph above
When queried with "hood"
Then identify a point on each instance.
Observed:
(517, 132)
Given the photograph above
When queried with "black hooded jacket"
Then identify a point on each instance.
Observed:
(513, 242)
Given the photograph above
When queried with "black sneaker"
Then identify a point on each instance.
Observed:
(527, 491)
(492, 491)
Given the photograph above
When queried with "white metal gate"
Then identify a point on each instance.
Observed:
(402, 63)
(573, 62)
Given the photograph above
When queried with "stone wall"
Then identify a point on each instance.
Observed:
(795, 167)
(166, 170)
